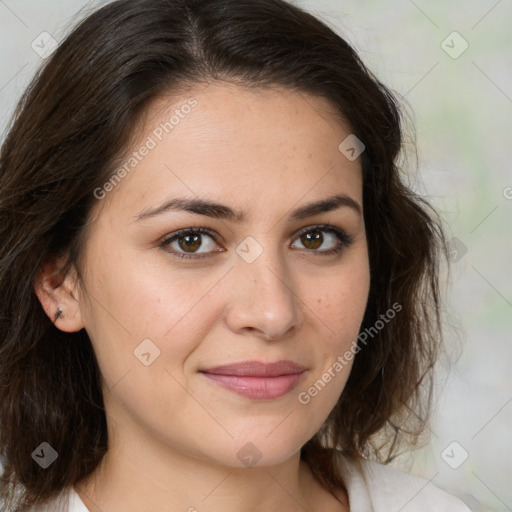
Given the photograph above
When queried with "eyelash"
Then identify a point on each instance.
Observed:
(345, 240)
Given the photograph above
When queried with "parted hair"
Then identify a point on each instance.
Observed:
(72, 125)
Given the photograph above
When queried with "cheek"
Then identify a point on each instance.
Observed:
(342, 307)
(144, 325)
(172, 308)
(169, 306)
(130, 301)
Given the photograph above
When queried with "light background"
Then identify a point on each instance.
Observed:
(462, 111)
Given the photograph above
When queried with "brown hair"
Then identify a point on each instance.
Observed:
(69, 129)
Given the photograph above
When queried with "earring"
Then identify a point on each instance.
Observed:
(58, 314)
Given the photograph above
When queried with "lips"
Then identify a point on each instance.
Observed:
(257, 380)
(257, 369)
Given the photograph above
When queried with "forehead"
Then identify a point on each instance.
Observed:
(223, 140)
(210, 114)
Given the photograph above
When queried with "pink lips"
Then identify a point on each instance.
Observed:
(258, 380)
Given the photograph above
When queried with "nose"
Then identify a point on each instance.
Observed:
(262, 300)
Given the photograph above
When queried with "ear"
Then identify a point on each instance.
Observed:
(58, 295)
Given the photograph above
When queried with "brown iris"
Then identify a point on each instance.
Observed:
(314, 237)
(193, 242)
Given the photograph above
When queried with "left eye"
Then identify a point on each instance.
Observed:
(312, 238)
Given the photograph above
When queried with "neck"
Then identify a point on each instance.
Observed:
(138, 476)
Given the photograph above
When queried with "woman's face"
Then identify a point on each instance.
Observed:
(162, 309)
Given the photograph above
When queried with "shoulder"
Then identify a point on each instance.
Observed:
(386, 488)
(411, 493)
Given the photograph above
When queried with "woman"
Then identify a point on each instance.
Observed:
(217, 292)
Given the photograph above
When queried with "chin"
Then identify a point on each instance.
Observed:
(258, 449)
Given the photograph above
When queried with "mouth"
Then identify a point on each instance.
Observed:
(257, 380)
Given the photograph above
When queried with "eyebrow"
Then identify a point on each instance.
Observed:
(220, 211)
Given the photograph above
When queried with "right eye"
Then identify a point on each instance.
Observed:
(189, 241)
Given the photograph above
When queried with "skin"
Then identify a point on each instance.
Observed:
(173, 434)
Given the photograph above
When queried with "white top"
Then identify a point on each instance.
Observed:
(371, 487)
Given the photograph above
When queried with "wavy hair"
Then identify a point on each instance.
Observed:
(71, 126)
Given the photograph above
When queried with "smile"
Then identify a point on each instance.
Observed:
(257, 380)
